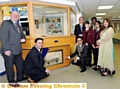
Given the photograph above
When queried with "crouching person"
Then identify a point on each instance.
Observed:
(34, 63)
(82, 58)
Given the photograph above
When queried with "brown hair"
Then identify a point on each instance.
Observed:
(109, 22)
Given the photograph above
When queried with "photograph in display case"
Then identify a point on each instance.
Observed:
(54, 57)
(54, 25)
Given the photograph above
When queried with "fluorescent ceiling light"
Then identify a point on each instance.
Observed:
(105, 7)
(51, 11)
(99, 17)
(5, 0)
(114, 17)
(100, 14)
(60, 2)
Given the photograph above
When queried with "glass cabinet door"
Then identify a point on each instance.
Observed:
(23, 16)
(49, 21)
(73, 21)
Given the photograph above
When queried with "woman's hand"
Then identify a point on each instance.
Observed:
(93, 46)
(98, 42)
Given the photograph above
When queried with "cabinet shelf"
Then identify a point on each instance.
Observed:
(54, 25)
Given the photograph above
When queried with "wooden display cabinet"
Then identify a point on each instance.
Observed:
(53, 42)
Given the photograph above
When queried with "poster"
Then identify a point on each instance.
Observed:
(6, 11)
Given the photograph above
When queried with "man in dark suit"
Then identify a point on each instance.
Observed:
(79, 27)
(94, 19)
(93, 29)
(34, 63)
(82, 55)
(11, 38)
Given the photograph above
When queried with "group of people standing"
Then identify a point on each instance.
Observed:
(98, 39)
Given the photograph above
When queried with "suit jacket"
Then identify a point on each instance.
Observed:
(0, 43)
(34, 61)
(96, 36)
(87, 36)
(84, 52)
(11, 38)
(78, 30)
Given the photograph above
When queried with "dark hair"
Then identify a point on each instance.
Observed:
(109, 22)
(86, 22)
(99, 23)
(80, 37)
(38, 39)
(94, 18)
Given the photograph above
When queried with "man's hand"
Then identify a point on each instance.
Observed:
(75, 61)
(47, 71)
(8, 53)
(22, 40)
(86, 44)
(68, 57)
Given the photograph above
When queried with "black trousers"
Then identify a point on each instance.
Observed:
(36, 74)
(81, 63)
(9, 61)
(95, 55)
(90, 53)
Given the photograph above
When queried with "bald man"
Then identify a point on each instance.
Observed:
(11, 38)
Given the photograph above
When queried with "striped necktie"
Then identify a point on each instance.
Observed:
(17, 27)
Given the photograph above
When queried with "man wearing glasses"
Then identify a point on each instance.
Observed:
(82, 58)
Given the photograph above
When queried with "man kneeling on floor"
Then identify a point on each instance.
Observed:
(81, 51)
(34, 63)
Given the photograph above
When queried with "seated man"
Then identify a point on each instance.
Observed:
(81, 51)
(34, 63)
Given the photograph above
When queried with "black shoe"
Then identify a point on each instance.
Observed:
(90, 65)
(101, 70)
(93, 64)
(83, 70)
(112, 73)
(24, 78)
(95, 69)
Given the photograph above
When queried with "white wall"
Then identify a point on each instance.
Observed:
(78, 16)
(2, 67)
